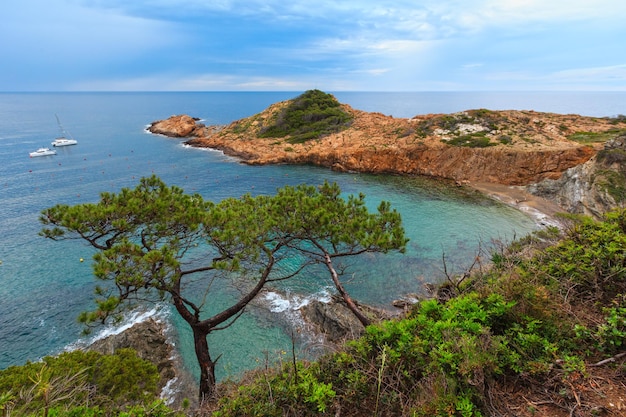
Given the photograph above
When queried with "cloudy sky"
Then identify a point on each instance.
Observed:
(294, 45)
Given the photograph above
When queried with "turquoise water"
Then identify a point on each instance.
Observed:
(44, 284)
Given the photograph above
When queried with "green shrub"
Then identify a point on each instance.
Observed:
(591, 258)
(309, 116)
(505, 139)
(473, 140)
(608, 337)
(78, 377)
(280, 391)
(595, 137)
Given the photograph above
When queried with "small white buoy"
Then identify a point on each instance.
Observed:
(81, 259)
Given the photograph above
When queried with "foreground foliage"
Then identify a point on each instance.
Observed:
(82, 383)
(551, 309)
(541, 322)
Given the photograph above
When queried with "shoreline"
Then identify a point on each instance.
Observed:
(542, 210)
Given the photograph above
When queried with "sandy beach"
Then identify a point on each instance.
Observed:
(542, 210)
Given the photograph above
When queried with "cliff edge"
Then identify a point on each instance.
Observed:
(510, 148)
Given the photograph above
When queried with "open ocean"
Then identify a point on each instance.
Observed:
(44, 284)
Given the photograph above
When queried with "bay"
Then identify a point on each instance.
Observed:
(45, 284)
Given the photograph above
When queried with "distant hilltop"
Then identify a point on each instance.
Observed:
(513, 148)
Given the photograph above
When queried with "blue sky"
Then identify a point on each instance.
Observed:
(295, 45)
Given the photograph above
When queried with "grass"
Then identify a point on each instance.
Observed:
(473, 140)
(588, 138)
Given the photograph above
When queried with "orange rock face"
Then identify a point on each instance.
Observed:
(182, 126)
(505, 147)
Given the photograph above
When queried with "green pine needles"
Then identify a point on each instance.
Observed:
(311, 115)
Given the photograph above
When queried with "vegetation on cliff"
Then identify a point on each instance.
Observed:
(543, 332)
(81, 383)
(484, 128)
(311, 115)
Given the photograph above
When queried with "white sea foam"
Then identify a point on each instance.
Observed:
(284, 302)
(159, 313)
(287, 306)
(225, 157)
(186, 145)
(169, 391)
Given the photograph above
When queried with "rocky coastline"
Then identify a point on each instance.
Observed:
(528, 161)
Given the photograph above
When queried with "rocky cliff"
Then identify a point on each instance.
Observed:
(178, 126)
(502, 147)
(592, 188)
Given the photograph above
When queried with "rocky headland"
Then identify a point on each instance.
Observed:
(541, 162)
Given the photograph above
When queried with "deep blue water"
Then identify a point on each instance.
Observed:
(44, 284)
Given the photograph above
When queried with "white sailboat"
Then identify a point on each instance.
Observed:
(63, 140)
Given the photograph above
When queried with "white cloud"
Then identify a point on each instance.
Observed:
(476, 16)
(272, 44)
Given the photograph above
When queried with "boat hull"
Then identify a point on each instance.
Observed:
(64, 142)
(42, 152)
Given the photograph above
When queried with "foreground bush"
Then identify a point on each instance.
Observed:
(59, 384)
(551, 306)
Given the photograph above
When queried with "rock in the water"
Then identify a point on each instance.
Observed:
(334, 320)
(148, 338)
(182, 126)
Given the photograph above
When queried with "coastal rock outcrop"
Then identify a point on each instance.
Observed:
(150, 341)
(504, 147)
(181, 126)
(592, 188)
(334, 320)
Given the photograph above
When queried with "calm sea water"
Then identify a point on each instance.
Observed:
(44, 284)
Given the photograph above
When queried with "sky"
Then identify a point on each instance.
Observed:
(296, 45)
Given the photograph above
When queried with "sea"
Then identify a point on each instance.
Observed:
(45, 284)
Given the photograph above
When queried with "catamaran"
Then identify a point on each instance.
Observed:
(63, 140)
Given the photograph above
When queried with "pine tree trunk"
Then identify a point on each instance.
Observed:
(346, 298)
(207, 367)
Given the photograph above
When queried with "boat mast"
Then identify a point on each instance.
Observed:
(64, 132)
